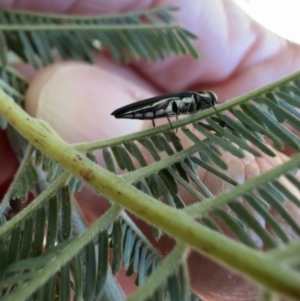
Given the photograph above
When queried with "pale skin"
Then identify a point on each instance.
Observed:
(237, 56)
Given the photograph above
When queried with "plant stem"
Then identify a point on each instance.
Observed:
(287, 252)
(254, 264)
(82, 27)
(59, 17)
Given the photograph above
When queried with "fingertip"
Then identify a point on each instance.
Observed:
(77, 99)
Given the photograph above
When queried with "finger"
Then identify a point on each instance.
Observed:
(77, 99)
(236, 52)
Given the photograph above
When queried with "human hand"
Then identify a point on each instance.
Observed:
(237, 56)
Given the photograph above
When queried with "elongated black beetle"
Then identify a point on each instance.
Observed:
(167, 105)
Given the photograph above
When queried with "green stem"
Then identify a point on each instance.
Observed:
(59, 17)
(287, 252)
(254, 264)
(82, 27)
(95, 145)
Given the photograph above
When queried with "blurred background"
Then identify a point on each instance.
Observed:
(280, 16)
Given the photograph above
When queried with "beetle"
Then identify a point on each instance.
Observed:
(168, 105)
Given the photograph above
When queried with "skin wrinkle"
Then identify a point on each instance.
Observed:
(232, 32)
(250, 57)
(259, 44)
(236, 170)
(209, 178)
(224, 37)
(250, 166)
(260, 168)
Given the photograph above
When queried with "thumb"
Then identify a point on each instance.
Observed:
(77, 99)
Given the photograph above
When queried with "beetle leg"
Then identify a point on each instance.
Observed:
(169, 122)
(172, 126)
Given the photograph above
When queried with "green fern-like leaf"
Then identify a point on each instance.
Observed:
(148, 35)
